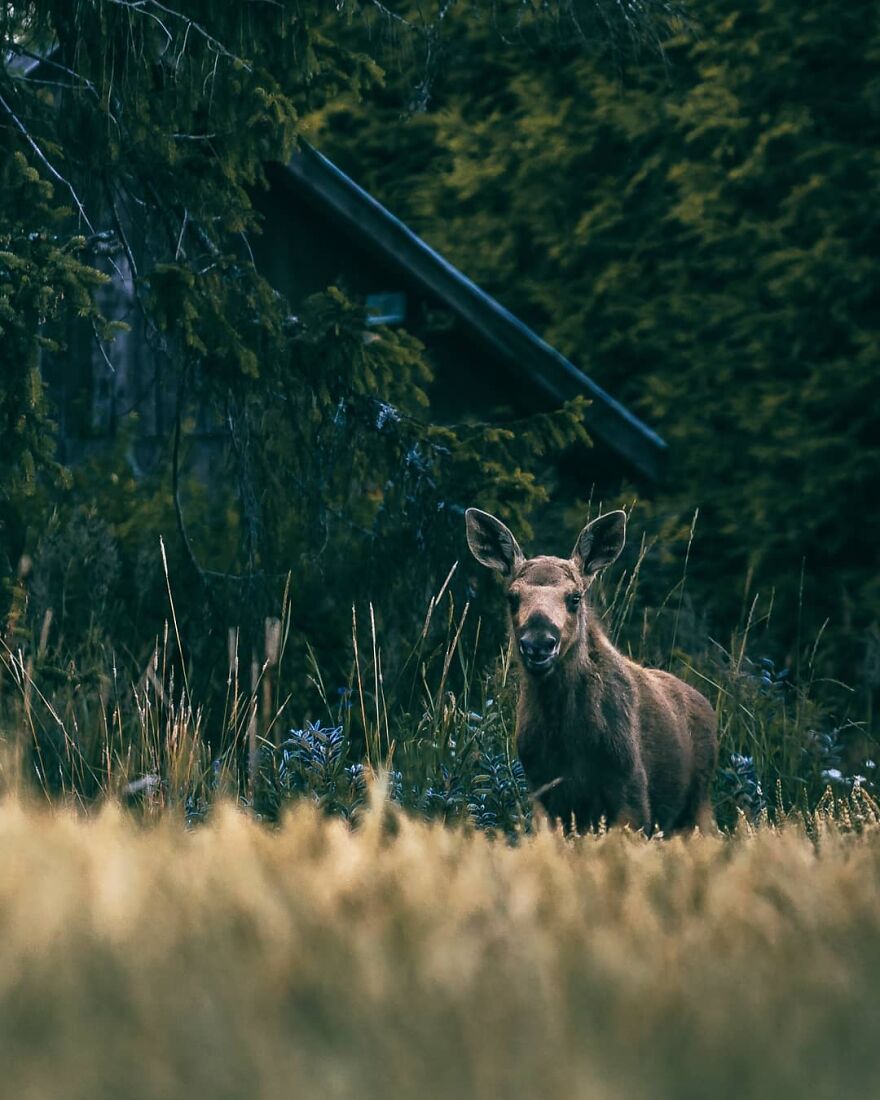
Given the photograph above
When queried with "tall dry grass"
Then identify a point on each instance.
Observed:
(407, 959)
(439, 716)
(404, 958)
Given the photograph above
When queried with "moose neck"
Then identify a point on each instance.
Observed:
(577, 708)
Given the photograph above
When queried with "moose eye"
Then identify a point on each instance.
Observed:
(574, 598)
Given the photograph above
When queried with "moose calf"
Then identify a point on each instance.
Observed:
(598, 735)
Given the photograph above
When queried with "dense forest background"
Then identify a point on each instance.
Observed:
(683, 201)
(695, 226)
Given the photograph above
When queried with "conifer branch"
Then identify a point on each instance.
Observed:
(203, 574)
(45, 160)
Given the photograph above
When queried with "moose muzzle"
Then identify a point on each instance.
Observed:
(539, 649)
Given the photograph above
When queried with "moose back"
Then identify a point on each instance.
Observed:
(599, 736)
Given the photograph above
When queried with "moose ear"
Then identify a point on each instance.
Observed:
(491, 543)
(599, 543)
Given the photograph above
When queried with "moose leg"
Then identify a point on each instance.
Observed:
(697, 812)
(634, 809)
(706, 820)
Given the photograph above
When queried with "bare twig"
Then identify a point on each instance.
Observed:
(143, 6)
(117, 221)
(179, 249)
(102, 349)
(394, 16)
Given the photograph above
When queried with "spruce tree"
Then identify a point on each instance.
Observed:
(134, 150)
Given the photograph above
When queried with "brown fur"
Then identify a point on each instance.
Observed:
(599, 736)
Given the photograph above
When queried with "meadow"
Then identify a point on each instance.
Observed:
(360, 904)
(407, 958)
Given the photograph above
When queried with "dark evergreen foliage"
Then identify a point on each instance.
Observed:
(700, 233)
(136, 148)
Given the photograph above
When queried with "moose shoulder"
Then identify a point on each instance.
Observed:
(599, 736)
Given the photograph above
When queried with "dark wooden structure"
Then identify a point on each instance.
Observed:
(322, 229)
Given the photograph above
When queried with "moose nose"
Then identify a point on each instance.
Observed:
(538, 646)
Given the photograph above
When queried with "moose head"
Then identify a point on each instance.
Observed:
(546, 595)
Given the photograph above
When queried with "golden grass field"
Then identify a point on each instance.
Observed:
(408, 959)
